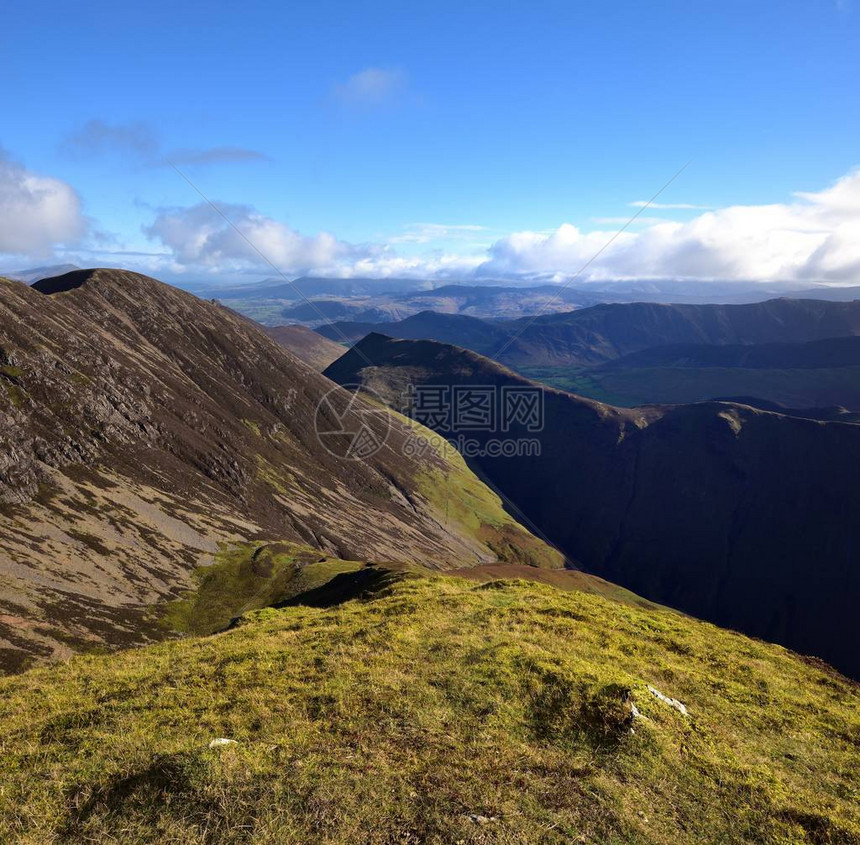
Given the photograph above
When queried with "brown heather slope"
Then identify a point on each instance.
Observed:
(142, 430)
(307, 345)
(744, 517)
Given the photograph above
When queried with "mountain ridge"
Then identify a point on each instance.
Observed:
(144, 430)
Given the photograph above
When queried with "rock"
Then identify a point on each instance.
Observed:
(672, 702)
(216, 743)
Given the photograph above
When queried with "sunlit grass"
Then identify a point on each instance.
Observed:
(435, 711)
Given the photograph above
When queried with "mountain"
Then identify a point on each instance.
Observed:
(592, 336)
(747, 518)
(834, 293)
(432, 709)
(308, 346)
(310, 286)
(324, 310)
(35, 274)
(456, 329)
(146, 432)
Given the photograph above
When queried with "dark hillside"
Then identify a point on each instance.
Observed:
(748, 518)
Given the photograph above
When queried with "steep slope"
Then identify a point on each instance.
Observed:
(142, 430)
(434, 710)
(592, 336)
(744, 517)
(308, 346)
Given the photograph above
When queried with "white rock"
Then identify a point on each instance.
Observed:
(221, 741)
(672, 702)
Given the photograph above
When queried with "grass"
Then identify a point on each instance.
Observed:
(17, 395)
(461, 499)
(435, 710)
(250, 576)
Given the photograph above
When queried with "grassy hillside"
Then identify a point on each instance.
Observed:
(435, 710)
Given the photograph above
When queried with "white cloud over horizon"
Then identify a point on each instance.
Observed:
(813, 237)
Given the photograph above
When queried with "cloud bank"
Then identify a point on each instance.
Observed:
(815, 237)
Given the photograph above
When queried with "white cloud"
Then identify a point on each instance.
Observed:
(36, 212)
(371, 87)
(422, 233)
(816, 237)
(198, 237)
(198, 240)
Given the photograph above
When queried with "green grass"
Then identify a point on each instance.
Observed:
(435, 711)
(249, 576)
(464, 502)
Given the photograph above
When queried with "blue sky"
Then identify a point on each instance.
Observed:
(520, 132)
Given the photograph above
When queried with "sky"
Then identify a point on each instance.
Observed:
(453, 140)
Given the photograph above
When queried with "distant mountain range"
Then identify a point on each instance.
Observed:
(35, 274)
(602, 333)
(314, 301)
(748, 518)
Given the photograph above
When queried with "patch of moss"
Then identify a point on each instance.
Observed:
(249, 576)
(277, 478)
(16, 394)
(12, 372)
(81, 380)
(253, 426)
